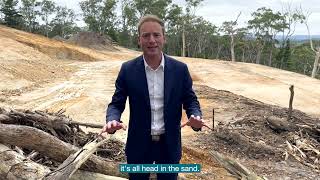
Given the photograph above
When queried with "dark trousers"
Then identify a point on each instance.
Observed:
(159, 154)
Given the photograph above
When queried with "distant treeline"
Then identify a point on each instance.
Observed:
(187, 34)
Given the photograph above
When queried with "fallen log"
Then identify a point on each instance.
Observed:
(234, 167)
(15, 166)
(246, 144)
(91, 125)
(48, 145)
(58, 123)
(73, 162)
(278, 124)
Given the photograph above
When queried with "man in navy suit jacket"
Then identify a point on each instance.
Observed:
(158, 87)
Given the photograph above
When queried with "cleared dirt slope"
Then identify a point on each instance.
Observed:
(39, 73)
(259, 82)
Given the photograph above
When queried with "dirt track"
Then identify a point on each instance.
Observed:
(34, 78)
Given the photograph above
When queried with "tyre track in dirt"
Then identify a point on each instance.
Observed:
(84, 95)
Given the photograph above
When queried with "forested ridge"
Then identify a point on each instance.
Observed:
(266, 39)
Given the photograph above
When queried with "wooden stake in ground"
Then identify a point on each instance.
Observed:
(213, 118)
(290, 102)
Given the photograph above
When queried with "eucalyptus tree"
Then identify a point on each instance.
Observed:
(64, 22)
(187, 24)
(291, 17)
(265, 25)
(12, 16)
(128, 22)
(100, 15)
(47, 8)
(30, 12)
(108, 19)
(155, 7)
(316, 51)
(173, 33)
(1, 14)
(230, 28)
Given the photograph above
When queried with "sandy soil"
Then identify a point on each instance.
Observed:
(38, 73)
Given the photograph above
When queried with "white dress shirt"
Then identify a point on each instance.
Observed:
(155, 79)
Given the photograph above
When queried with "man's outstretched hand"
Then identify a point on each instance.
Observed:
(112, 126)
(195, 122)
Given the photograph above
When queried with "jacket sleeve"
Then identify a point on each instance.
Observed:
(190, 102)
(117, 105)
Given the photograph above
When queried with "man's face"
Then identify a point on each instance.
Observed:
(151, 38)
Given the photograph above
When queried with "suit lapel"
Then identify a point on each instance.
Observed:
(142, 78)
(168, 80)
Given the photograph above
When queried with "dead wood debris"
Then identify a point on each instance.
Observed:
(49, 138)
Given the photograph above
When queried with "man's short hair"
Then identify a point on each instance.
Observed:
(151, 18)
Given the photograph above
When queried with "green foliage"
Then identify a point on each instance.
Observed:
(47, 8)
(302, 59)
(64, 23)
(156, 7)
(265, 25)
(1, 14)
(29, 13)
(100, 16)
(12, 17)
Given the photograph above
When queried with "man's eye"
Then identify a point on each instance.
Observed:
(146, 35)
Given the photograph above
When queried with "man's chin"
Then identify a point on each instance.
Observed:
(152, 53)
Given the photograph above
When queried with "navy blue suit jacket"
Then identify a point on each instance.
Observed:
(131, 82)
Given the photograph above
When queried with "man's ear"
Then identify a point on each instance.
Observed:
(139, 41)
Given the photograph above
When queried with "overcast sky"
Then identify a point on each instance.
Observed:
(218, 11)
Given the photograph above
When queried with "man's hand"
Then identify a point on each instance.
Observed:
(112, 126)
(195, 122)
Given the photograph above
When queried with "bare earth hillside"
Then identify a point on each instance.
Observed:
(43, 74)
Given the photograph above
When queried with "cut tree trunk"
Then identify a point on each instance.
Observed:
(48, 145)
(290, 102)
(73, 162)
(15, 166)
(278, 124)
(235, 168)
(248, 145)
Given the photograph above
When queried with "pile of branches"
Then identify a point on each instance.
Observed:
(35, 143)
(287, 139)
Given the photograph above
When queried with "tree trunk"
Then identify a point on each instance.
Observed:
(315, 64)
(270, 57)
(233, 58)
(218, 53)
(74, 161)
(258, 56)
(243, 55)
(52, 147)
(183, 54)
(15, 166)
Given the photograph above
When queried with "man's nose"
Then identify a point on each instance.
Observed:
(152, 38)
